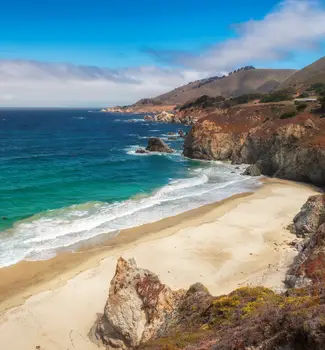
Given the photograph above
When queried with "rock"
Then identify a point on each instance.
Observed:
(155, 144)
(165, 117)
(181, 133)
(252, 170)
(309, 265)
(309, 124)
(292, 148)
(141, 151)
(142, 313)
(310, 217)
(149, 118)
(137, 309)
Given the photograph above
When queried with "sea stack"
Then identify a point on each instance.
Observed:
(155, 144)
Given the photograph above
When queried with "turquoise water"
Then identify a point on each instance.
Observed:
(67, 176)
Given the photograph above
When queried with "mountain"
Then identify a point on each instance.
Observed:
(243, 81)
(314, 73)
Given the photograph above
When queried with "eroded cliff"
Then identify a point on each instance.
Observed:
(280, 144)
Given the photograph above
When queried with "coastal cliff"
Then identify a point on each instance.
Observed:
(279, 142)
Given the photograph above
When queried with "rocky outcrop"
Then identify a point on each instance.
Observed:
(141, 151)
(310, 217)
(140, 108)
(252, 170)
(139, 307)
(309, 265)
(168, 117)
(142, 313)
(291, 148)
(155, 144)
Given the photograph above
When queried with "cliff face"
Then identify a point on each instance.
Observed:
(309, 265)
(286, 147)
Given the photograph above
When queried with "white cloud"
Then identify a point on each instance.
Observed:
(33, 83)
(294, 25)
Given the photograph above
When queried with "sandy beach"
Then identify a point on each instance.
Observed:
(243, 240)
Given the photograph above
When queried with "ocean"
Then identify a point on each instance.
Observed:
(70, 176)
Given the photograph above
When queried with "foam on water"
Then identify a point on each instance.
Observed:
(42, 235)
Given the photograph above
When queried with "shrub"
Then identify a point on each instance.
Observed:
(287, 115)
(321, 100)
(319, 88)
(278, 96)
(245, 98)
(301, 106)
(203, 101)
(303, 95)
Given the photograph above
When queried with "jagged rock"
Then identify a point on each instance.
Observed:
(139, 307)
(310, 217)
(181, 133)
(155, 144)
(252, 170)
(141, 151)
(149, 118)
(309, 265)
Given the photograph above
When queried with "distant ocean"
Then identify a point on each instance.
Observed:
(68, 176)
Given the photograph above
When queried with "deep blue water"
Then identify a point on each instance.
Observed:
(69, 175)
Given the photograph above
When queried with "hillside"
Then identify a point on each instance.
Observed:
(302, 79)
(238, 83)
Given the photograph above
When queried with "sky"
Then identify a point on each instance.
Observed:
(82, 53)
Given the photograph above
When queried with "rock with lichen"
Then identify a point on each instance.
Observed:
(137, 309)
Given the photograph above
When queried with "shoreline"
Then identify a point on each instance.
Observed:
(242, 240)
(29, 277)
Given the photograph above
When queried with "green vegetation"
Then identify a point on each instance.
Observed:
(248, 317)
(319, 88)
(321, 100)
(203, 102)
(245, 98)
(278, 96)
(301, 106)
(289, 114)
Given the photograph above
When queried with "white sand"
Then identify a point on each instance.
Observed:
(242, 242)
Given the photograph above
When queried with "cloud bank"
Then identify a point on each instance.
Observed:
(293, 26)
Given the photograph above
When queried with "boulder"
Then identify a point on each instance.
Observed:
(252, 170)
(141, 151)
(139, 307)
(155, 144)
(181, 133)
(149, 118)
(310, 217)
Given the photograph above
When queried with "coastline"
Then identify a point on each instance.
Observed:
(241, 240)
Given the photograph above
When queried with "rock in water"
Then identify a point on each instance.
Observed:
(252, 170)
(155, 144)
(137, 309)
(141, 151)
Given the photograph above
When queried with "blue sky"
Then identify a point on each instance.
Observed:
(190, 39)
(118, 32)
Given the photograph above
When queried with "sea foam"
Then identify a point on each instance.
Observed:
(42, 235)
